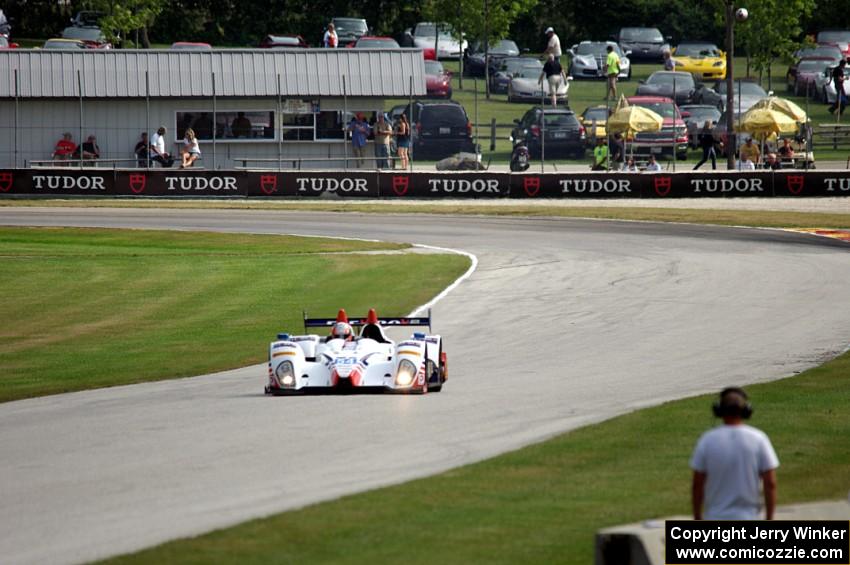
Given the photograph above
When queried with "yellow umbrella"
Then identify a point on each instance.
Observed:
(629, 120)
(762, 122)
(781, 105)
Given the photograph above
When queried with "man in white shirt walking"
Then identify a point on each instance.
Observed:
(553, 45)
(730, 461)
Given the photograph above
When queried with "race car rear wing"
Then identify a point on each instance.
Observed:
(371, 318)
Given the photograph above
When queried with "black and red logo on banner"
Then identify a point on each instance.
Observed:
(403, 184)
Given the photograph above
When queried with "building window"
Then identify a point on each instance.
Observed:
(230, 125)
(297, 127)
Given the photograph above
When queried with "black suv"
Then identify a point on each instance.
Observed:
(349, 30)
(557, 127)
(440, 129)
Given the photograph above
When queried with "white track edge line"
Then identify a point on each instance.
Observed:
(456, 282)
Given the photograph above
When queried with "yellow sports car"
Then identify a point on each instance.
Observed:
(703, 60)
(598, 114)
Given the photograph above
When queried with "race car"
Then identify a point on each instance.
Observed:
(343, 361)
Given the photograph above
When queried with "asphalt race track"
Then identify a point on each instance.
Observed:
(565, 322)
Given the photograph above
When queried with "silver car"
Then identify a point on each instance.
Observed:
(525, 86)
(824, 87)
(588, 60)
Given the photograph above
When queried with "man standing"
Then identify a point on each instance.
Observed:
(554, 74)
(553, 45)
(383, 135)
(600, 155)
(612, 69)
(359, 129)
(840, 96)
(728, 463)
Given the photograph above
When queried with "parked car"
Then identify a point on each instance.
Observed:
(438, 81)
(824, 86)
(59, 43)
(525, 86)
(283, 42)
(839, 37)
(747, 93)
(808, 68)
(645, 43)
(500, 79)
(695, 116)
(673, 137)
(672, 84)
(190, 46)
(6, 44)
(93, 37)
(597, 115)
(555, 131)
(349, 30)
(425, 35)
(703, 60)
(588, 60)
(440, 130)
(375, 42)
(721, 134)
(474, 63)
(87, 18)
(828, 52)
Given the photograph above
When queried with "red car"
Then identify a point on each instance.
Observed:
(379, 42)
(283, 41)
(5, 44)
(673, 137)
(807, 69)
(438, 81)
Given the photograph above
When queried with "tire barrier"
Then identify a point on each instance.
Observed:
(60, 182)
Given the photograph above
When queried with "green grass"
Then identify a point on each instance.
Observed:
(87, 308)
(585, 93)
(543, 503)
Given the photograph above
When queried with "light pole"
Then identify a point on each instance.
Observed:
(731, 136)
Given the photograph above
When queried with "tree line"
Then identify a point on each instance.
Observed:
(241, 24)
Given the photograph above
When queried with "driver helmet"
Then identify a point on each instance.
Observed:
(341, 330)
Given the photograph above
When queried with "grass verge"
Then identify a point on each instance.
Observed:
(554, 208)
(543, 503)
(87, 308)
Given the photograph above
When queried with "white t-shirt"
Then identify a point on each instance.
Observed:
(733, 459)
(158, 142)
(554, 45)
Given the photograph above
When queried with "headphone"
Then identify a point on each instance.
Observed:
(726, 407)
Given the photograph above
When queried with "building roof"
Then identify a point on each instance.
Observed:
(230, 73)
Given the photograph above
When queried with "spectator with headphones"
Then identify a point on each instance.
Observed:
(728, 463)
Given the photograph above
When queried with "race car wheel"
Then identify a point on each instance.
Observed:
(434, 379)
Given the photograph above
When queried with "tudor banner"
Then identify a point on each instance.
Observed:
(444, 185)
(60, 182)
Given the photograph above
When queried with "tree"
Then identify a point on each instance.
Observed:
(124, 17)
(773, 30)
(485, 20)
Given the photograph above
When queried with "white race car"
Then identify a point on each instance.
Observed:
(369, 361)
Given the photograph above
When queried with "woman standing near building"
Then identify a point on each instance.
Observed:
(402, 133)
(191, 151)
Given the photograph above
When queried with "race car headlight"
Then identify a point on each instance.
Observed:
(405, 374)
(285, 373)
(719, 64)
